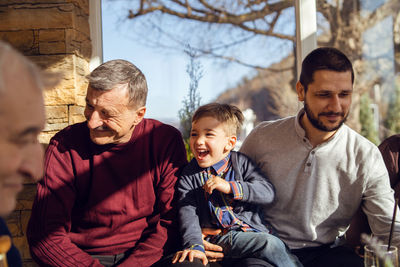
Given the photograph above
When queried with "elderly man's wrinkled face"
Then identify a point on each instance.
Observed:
(110, 117)
(22, 118)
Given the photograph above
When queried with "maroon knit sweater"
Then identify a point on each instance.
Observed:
(106, 199)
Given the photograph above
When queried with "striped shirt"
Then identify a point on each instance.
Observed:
(220, 204)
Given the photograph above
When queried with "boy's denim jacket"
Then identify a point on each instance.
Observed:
(194, 212)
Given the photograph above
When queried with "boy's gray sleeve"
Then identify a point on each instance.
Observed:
(189, 223)
(257, 189)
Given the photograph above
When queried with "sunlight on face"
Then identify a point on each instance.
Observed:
(110, 117)
(209, 141)
(328, 99)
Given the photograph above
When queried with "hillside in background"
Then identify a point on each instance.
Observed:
(270, 94)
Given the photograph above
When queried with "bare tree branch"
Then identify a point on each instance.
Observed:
(188, 7)
(211, 52)
(210, 7)
(236, 60)
(380, 13)
(243, 15)
(213, 15)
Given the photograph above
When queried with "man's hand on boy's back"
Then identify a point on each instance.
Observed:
(217, 183)
(180, 256)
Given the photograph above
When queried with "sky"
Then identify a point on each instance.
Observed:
(166, 75)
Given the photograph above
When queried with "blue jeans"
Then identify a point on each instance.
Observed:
(238, 244)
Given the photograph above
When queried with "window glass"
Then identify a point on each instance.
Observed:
(368, 32)
(249, 64)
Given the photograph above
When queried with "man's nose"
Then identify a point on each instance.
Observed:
(32, 163)
(94, 120)
(334, 103)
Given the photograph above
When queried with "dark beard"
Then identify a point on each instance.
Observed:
(318, 124)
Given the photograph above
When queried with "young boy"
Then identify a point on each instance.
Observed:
(222, 189)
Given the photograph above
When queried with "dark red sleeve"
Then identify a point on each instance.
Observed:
(171, 157)
(390, 152)
(50, 221)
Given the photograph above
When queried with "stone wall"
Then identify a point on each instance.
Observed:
(55, 35)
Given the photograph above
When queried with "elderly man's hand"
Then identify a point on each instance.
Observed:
(213, 252)
(180, 256)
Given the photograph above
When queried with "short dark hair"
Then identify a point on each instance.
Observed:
(230, 115)
(118, 72)
(324, 58)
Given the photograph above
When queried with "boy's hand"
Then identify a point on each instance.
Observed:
(217, 183)
(180, 256)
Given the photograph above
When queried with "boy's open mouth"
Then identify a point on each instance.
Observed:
(202, 153)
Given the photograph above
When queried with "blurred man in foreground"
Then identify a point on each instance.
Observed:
(22, 117)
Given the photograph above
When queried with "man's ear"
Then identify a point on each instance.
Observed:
(231, 142)
(300, 91)
(140, 112)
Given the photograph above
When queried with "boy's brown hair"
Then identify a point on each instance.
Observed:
(227, 114)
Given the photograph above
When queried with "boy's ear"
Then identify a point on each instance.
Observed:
(231, 142)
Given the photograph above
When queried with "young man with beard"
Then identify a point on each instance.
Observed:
(322, 170)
